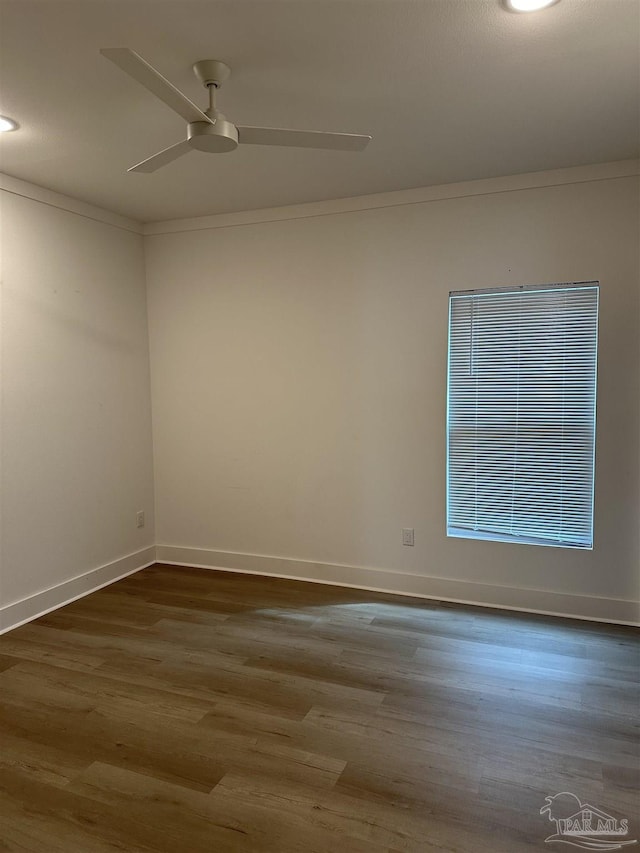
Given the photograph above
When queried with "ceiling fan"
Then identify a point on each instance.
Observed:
(209, 130)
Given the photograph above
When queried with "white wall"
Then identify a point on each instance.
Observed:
(299, 378)
(299, 367)
(76, 421)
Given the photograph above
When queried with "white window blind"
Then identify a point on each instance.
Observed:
(521, 414)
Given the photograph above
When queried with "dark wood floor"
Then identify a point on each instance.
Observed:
(185, 710)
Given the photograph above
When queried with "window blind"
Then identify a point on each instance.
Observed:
(521, 414)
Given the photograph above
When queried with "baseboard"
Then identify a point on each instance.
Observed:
(18, 612)
(592, 608)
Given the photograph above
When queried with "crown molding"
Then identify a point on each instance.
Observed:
(398, 198)
(24, 189)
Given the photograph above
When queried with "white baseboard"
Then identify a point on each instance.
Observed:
(592, 608)
(18, 612)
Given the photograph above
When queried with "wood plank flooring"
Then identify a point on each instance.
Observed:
(190, 711)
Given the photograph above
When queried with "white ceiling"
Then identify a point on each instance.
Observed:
(450, 90)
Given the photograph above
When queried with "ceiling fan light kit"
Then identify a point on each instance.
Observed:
(213, 138)
(209, 130)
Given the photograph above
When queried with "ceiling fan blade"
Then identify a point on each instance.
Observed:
(162, 157)
(302, 138)
(135, 66)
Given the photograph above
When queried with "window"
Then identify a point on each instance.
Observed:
(521, 414)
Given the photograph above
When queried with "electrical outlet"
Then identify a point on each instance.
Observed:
(140, 519)
(407, 535)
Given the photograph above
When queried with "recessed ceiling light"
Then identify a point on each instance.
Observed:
(528, 5)
(7, 124)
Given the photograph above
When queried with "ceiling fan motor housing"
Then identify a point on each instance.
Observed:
(214, 138)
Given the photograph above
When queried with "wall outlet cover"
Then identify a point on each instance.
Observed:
(407, 536)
